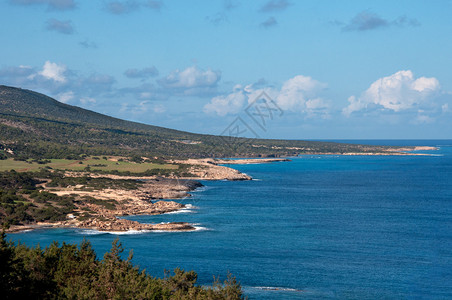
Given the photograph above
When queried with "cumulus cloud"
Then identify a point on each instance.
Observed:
(367, 20)
(275, 5)
(270, 22)
(142, 73)
(51, 4)
(64, 27)
(299, 94)
(397, 92)
(191, 81)
(227, 104)
(53, 71)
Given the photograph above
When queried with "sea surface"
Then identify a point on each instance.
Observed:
(350, 227)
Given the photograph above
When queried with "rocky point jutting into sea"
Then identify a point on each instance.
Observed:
(106, 206)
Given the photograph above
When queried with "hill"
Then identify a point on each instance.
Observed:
(35, 125)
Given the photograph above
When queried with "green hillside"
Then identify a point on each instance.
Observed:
(37, 126)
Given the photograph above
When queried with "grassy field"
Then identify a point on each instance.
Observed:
(79, 165)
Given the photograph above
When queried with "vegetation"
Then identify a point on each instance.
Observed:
(23, 202)
(74, 272)
(81, 164)
(33, 125)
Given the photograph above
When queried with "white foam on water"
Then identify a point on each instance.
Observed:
(25, 230)
(188, 209)
(198, 227)
(276, 288)
(200, 189)
(128, 232)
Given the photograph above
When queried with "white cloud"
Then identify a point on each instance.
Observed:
(397, 92)
(298, 94)
(65, 97)
(191, 77)
(228, 104)
(53, 71)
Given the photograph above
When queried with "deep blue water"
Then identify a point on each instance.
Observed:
(355, 227)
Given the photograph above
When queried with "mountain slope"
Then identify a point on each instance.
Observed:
(35, 125)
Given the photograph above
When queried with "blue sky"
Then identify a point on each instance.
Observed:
(334, 69)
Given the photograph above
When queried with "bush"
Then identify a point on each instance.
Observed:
(74, 272)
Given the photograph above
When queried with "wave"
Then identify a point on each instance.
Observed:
(134, 232)
(198, 227)
(97, 232)
(200, 189)
(276, 288)
(188, 209)
(25, 230)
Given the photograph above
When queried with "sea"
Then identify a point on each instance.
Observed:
(317, 227)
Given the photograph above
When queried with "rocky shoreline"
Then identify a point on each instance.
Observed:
(110, 204)
(147, 199)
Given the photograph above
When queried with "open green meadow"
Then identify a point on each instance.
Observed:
(109, 164)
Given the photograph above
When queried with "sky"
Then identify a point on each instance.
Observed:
(284, 69)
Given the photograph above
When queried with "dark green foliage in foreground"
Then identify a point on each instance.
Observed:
(74, 272)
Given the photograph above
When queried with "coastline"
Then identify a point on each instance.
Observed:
(153, 197)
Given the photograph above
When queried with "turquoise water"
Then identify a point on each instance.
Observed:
(355, 227)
